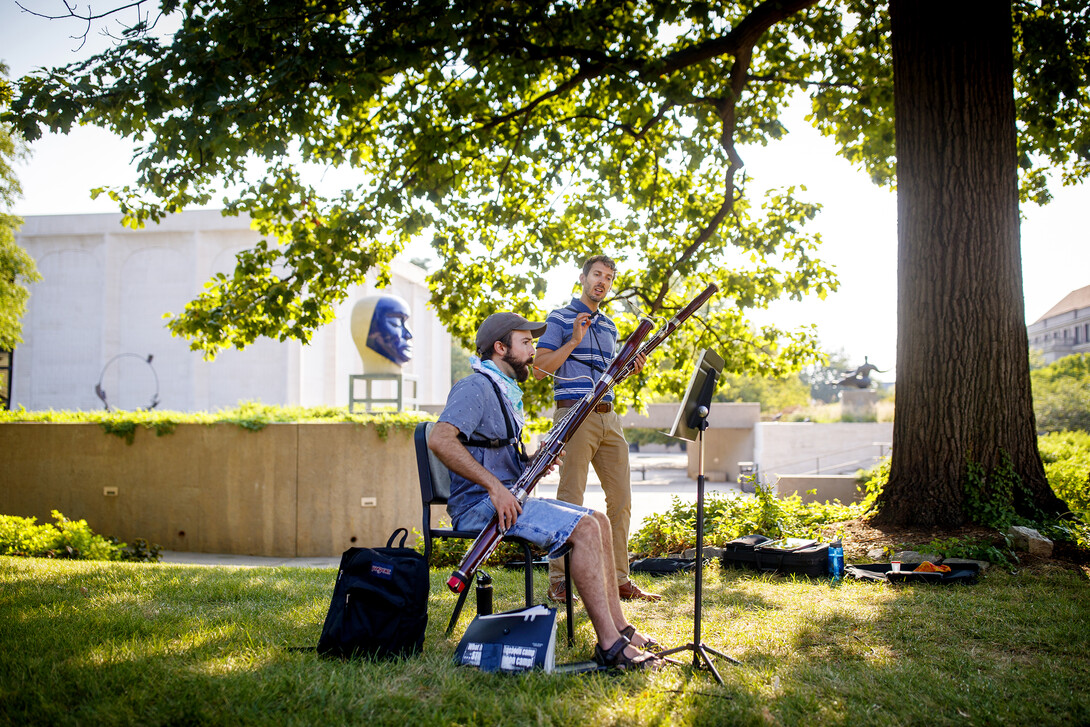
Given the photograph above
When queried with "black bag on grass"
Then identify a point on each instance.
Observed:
(787, 555)
(380, 603)
(662, 566)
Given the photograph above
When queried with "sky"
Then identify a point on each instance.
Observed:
(858, 223)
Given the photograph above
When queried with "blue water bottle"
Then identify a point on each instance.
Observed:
(836, 559)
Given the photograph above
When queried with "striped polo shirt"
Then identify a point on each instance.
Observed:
(597, 349)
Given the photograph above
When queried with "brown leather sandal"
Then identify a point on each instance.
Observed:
(649, 644)
(615, 657)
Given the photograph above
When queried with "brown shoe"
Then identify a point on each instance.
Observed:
(629, 591)
(558, 594)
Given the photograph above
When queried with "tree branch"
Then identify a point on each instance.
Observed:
(770, 78)
(141, 25)
(571, 83)
(739, 44)
(72, 13)
(742, 36)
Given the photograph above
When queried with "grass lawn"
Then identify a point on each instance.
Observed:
(90, 643)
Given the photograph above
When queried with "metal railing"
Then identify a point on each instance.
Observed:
(844, 461)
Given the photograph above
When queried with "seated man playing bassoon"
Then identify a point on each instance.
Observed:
(478, 437)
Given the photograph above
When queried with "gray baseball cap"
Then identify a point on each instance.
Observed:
(498, 325)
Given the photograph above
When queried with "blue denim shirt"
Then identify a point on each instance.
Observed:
(473, 407)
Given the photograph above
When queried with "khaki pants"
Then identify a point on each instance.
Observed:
(600, 442)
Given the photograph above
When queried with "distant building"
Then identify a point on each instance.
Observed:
(98, 313)
(1065, 329)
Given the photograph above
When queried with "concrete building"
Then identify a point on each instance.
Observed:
(97, 314)
(1065, 329)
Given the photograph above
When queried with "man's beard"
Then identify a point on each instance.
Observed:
(522, 368)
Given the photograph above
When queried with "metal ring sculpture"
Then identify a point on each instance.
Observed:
(101, 393)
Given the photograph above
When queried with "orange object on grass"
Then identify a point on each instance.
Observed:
(929, 567)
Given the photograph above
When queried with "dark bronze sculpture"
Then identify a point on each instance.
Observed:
(860, 378)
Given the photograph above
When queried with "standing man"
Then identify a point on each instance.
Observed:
(578, 345)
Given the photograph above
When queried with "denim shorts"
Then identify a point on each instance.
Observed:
(546, 523)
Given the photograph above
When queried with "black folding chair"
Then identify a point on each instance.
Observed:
(434, 490)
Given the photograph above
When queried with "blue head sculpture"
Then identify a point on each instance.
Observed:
(389, 334)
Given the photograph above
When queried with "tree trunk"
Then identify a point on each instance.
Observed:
(963, 388)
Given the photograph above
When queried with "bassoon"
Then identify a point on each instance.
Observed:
(623, 365)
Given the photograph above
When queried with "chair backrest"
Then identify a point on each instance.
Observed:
(434, 481)
(434, 475)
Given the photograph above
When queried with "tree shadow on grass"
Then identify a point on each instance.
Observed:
(1010, 650)
(144, 644)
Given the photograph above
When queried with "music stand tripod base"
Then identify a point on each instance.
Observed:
(700, 650)
(691, 422)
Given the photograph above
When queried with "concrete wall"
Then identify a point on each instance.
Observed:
(730, 437)
(723, 450)
(289, 490)
(810, 448)
(723, 415)
(826, 487)
(736, 434)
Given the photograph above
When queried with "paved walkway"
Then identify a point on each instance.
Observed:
(656, 480)
(249, 561)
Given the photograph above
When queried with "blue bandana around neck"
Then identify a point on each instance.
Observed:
(510, 388)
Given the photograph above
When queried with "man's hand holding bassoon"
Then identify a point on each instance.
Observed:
(507, 506)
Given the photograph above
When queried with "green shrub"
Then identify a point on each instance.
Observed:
(1000, 552)
(726, 518)
(67, 539)
(990, 496)
(1061, 394)
(871, 482)
(1071, 530)
(448, 553)
(21, 536)
(1066, 456)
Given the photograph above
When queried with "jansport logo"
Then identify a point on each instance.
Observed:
(380, 570)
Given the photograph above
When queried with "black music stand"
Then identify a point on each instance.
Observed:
(691, 422)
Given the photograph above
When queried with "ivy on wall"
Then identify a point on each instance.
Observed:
(253, 416)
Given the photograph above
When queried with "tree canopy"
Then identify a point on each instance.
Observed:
(17, 268)
(518, 137)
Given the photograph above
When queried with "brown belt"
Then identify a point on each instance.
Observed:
(603, 408)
